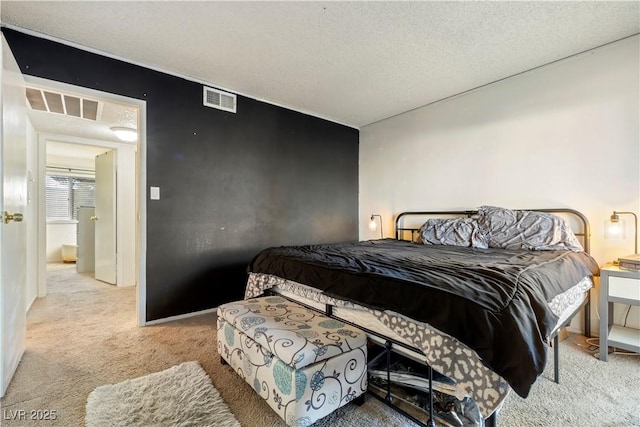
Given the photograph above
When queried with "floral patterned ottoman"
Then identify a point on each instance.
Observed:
(305, 365)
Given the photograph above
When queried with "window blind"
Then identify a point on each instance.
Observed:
(65, 194)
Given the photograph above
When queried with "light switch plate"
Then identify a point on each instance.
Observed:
(154, 193)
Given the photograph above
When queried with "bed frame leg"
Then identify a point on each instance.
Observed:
(492, 421)
(556, 359)
(222, 361)
(587, 317)
(328, 310)
(387, 346)
(359, 401)
(432, 421)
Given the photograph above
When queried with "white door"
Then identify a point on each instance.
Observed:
(105, 217)
(86, 240)
(13, 204)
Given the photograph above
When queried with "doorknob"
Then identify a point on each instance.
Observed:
(93, 218)
(17, 217)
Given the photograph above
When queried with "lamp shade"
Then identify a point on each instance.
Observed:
(373, 224)
(615, 228)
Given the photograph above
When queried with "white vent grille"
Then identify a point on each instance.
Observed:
(218, 99)
(54, 102)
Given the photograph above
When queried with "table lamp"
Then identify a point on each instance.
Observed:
(615, 229)
(373, 225)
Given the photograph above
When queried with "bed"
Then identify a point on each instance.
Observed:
(476, 295)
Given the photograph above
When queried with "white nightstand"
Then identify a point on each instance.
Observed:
(621, 286)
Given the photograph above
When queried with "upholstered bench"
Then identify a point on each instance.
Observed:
(304, 364)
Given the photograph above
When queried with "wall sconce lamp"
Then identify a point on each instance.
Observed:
(125, 134)
(615, 228)
(373, 225)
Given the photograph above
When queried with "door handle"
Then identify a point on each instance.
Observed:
(93, 218)
(17, 217)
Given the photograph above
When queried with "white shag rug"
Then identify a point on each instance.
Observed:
(182, 395)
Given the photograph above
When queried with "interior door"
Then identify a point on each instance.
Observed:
(13, 204)
(86, 240)
(105, 217)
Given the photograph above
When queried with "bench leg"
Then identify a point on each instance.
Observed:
(359, 401)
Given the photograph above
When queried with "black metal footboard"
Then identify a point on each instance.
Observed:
(389, 344)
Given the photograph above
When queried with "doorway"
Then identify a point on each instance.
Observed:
(98, 135)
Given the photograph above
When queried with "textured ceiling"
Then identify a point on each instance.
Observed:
(351, 62)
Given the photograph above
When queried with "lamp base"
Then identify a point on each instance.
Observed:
(630, 262)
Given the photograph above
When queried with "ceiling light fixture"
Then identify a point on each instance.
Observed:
(125, 134)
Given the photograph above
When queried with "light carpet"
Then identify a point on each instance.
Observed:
(84, 335)
(179, 396)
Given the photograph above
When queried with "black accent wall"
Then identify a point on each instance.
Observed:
(230, 184)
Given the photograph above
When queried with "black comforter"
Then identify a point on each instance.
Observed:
(492, 300)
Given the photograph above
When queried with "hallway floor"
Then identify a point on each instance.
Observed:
(83, 334)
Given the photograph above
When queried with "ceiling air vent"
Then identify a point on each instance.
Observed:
(54, 102)
(215, 98)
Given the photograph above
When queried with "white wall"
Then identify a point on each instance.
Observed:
(565, 135)
(60, 233)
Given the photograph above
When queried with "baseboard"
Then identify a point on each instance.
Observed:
(180, 316)
(31, 303)
(563, 334)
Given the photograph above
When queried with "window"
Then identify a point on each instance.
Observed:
(65, 194)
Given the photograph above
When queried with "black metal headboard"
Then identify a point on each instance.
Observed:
(576, 220)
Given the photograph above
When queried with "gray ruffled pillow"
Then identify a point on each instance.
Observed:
(511, 229)
(452, 232)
